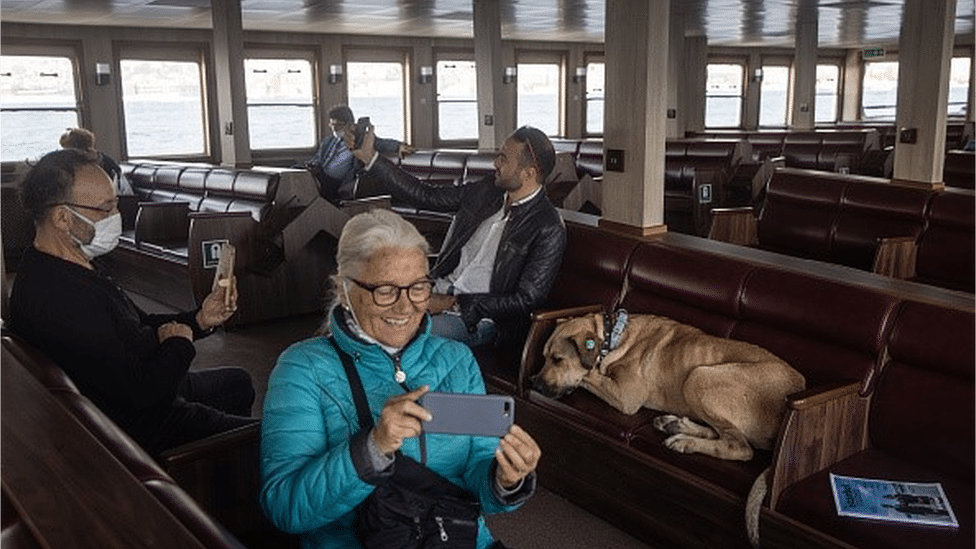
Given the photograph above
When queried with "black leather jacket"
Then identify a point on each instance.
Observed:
(529, 253)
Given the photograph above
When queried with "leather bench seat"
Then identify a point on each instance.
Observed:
(273, 217)
(946, 246)
(835, 325)
(959, 169)
(119, 449)
(843, 219)
(920, 428)
(811, 501)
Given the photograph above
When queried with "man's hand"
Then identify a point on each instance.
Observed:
(365, 152)
(440, 302)
(517, 456)
(174, 329)
(405, 150)
(220, 305)
(400, 419)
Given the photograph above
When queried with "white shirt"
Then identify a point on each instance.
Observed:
(473, 272)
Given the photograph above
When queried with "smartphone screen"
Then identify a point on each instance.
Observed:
(465, 414)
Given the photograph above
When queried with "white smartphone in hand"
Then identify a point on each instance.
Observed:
(466, 414)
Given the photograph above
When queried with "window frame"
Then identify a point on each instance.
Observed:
(837, 63)
(74, 53)
(783, 62)
(360, 54)
(965, 115)
(742, 62)
(192, 52)
(593, 58)
(453, 55)
(319, 127)
(888, 58)
(546, 57)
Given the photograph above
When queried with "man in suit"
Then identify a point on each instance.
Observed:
(335, 167)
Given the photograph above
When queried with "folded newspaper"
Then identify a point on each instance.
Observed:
(914, 502)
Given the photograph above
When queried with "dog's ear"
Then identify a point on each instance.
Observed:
(588, 347)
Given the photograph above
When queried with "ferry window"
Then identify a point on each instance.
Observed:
(828, 84)
(774, 94)
(457, 100)
(280, 106)
(37, 102)
(958, 86)
(376, 90)
(880, 90)
(723, 95)
(594, 98)
(152, 87)
(539, 96)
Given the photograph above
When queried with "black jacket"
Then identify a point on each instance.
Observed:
(529, 253)
(106, 344)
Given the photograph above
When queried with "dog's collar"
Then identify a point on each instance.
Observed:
(613, 330)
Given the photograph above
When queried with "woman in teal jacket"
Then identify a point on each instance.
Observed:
(317, 464)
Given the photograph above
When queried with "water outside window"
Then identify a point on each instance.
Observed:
(880, 95)
(538, 96)
(37, 103)
(150, 88)
(457, 100)
(774, 94)
(828, 93)
(723, 95)
(595, 78)
(280, 105)
(376, 90)
(958, 86)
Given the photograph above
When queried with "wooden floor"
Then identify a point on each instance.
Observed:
(547, 521)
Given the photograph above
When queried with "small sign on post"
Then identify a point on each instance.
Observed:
(211, 252)
(872, 53)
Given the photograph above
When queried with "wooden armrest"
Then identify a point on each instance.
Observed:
(820, 395)
(210, 446)
(162, 222)
(360, 205)
(222, 473)
(822, 426)
(735, 226)
(570, 312)
(895, 257)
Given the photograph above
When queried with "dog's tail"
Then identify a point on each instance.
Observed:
(754, 504)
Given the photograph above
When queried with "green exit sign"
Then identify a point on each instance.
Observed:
(873, 52)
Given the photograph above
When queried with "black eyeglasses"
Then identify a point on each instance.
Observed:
(115, 206)
(388, 294)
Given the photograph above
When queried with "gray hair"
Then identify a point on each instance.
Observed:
(370, 231)
(363, 236)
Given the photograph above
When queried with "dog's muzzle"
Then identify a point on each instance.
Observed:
(540, 386)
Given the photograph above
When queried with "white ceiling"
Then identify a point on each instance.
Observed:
(842, 23)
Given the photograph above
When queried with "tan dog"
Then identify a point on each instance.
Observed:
(725, 395)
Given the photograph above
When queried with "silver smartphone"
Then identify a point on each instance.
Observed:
(465, 414)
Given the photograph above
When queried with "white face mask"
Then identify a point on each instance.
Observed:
(107, 232)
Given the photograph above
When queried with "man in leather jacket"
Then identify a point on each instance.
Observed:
(504, 247)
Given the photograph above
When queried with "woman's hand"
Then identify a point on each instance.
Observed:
(220, 305)
(401, 418)
(517, 456)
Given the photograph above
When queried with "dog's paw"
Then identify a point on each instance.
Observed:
(667, 423)
(683, 444)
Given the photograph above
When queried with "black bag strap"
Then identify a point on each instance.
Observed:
(359, 397)
(356, 385)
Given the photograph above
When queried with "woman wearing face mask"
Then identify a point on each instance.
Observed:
(318, 464)
(132, 365)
